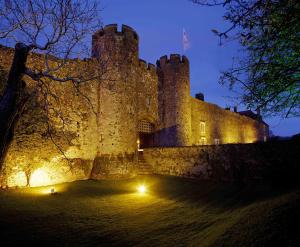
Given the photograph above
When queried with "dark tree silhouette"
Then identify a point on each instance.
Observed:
(269, 74)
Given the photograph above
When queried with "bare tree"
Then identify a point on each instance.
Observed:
(56, 31)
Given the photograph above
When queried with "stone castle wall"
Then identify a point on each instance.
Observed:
(127, 95)
(100, 121)
(174, 101)
(94, 125)
(224, 126)
(117, 116)
(181, 116)
(232, 162)
(147, 93)
(34, 156)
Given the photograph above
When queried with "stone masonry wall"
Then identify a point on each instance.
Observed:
(98, 133)
(94, 125)
(117, 95)
(34, 157)
(128, 94)
(174, 101)
(224, 125)
(147, 93)
(231, 162)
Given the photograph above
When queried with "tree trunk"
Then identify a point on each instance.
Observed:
(13, 100)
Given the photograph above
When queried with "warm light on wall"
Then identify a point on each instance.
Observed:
(39, 178)
(17, 179)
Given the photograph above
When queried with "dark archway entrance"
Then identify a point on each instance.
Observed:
(146, 140)
(146, 134)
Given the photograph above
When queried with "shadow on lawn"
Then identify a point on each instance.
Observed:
(190, 211)
(94, 188)
(213, 194)
(217, 195)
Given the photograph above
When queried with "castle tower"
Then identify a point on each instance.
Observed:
(117, 53)
(111, 45)
(174, 101)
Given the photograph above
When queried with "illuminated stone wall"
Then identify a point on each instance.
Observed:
(232, 162)
(99, 134)
(147, 93)
(95, 124)
(174, 101)
(117, 99)
(181, 116)
(34, 157)
(224, 125)
(128, 93)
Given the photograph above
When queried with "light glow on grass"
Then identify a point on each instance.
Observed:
(47, 190)
(111, 205)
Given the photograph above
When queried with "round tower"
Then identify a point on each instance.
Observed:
(117, 56)
(110, 45)
(174, 101)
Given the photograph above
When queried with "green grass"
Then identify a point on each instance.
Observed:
(174, 212)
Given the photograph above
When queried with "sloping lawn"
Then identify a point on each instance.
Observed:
(173, 212)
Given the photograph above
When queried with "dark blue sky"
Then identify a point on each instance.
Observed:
(160, 23)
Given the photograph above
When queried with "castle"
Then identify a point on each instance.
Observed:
(137, 105)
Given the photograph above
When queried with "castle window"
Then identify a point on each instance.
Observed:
(217, 141)
(202, 128)
(202, 141)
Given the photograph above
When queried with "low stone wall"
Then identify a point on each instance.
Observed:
(231, 162)
(49, 172)
(114, 166)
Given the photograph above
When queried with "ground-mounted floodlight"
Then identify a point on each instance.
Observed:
(142, 189)
(53, 191)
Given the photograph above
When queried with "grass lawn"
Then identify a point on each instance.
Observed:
(174, 212)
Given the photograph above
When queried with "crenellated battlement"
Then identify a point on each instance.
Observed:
(174, 59)
(147, 66)
(129, 31)
(112, 29)
(151, 67)
(108, 41)
(143, 64)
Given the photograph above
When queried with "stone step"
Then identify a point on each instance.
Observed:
(148, 171)
(143, 163)
(144, 173)
(144, 168)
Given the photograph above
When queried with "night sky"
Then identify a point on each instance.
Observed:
(160, 25)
